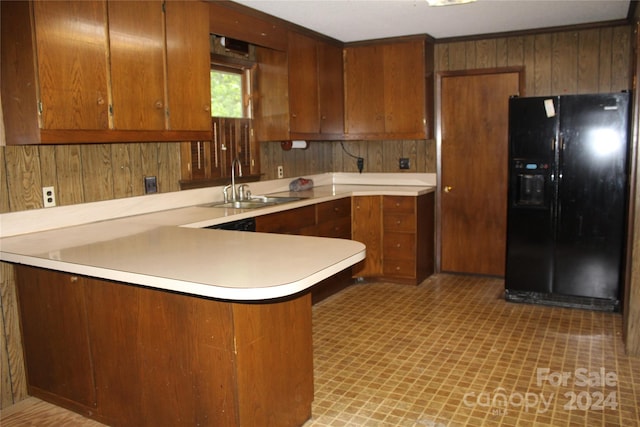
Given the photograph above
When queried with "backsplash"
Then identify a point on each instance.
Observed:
(84, 173)
(321, 156)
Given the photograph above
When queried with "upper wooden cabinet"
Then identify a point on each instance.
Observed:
(315, 88)
(388, 90)
(134, 32)
(270, 95)
(188, 65)
(103, 71)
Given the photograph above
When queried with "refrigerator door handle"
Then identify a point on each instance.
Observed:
(553, 144)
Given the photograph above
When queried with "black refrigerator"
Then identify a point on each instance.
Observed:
(567, 200)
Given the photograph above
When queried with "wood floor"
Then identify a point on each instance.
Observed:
(450, 352)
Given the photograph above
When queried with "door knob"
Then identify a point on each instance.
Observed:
(447, 189)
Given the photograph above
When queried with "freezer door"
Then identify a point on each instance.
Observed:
(533, 126)
(592, 194)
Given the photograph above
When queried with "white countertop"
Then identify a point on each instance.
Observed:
(168, 249)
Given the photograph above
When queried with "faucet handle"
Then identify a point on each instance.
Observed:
(243, 192)
(225, 194)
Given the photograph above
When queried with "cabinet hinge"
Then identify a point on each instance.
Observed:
(40, 107)
(111, 110)
(164, 7)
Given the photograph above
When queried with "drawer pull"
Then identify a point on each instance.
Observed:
(398, 245)
(73, 279)
(398, 222)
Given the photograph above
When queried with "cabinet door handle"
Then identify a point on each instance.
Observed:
(158, 104)
(448, 189)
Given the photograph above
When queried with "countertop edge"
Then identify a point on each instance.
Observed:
(186, 287)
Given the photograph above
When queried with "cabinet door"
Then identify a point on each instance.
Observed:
(188, 65)
(58, 357)
(404, 87)
(303, 84)
(385, 90)
(330, 89)
(270, 95)
(366, 227)
(136, 36)
(364, 90)
(72, 69)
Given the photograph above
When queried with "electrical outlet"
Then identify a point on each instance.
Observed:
(150, 185)
(280, 172)
(404, 163)
(48, 197)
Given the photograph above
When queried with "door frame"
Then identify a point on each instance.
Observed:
(438, 135)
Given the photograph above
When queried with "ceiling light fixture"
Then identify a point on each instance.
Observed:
(448, 2)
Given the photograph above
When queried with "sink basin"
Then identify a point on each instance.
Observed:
(255, 202)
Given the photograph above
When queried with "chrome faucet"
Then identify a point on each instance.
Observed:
(234, 193)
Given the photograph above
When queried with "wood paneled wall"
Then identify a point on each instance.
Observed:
(322, 156)
(631, 309)
(585, 61)
(84, 173)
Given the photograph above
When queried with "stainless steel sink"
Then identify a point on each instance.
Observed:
(255, 202)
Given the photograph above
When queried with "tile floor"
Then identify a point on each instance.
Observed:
(451, 352)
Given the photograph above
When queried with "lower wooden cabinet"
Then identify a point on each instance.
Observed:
(333, 219)
(366, 228)
(134, 356)
(399, 234)
(54, 332)
(291, 221)
(326, 219)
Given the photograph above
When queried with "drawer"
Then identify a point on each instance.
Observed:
(399, 246)
(399, 204)
(338, 228)
(289, 221)
(399, 268)
(399, 222)
(329, 211)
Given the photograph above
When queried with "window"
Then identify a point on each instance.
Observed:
(229, 90)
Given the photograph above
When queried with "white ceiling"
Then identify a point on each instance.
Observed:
(354, 20)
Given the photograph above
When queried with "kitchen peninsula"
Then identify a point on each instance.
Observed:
(152, 320)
